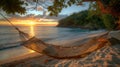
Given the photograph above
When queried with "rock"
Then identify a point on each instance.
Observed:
(114, 41)
(114, 34)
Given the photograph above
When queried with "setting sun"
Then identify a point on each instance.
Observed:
(32, 23)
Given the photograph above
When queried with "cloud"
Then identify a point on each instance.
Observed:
(33, 17)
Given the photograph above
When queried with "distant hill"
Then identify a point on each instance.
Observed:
(82, 20)
(57, 18)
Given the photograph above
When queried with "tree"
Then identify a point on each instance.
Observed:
(105, 6)
(12, 6)
(80, 20)
(21, 6)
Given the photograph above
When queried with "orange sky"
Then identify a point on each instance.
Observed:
(30, 21)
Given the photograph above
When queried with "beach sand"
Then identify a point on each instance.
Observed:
(105, 57)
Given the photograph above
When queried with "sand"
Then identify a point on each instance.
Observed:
(108, 56)
(18, 58)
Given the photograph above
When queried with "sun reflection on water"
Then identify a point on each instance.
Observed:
(32, 33)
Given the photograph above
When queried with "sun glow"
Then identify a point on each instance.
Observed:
(32, 31)
(31, 23)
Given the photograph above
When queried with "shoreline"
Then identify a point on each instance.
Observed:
(20, 58)
(81, 27)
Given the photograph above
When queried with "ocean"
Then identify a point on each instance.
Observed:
(10, 39)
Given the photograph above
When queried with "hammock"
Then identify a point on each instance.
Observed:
(59, 52)
(63, 52)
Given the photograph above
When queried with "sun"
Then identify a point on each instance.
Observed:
(32, 23)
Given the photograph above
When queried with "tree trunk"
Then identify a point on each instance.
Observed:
(118, 24)
(103, 9)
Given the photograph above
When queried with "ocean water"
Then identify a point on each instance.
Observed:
(10, 39)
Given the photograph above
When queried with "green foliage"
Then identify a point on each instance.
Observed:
(12, 6)
(81, 20)
(59, 5)
(90, 19)
(93, 9)
(108, 21)
(94, 22)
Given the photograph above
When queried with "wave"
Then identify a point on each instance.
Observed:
(10, 45)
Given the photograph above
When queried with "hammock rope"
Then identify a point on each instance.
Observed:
(22, 34)
(9, 21)
(55, 51)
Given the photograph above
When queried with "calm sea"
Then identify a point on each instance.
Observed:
(9, 36)
(10, 40)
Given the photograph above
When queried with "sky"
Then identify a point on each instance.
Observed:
(35, 16)
(65, 11)
(74, 8)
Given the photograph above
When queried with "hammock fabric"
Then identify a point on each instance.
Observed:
(63, 52)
